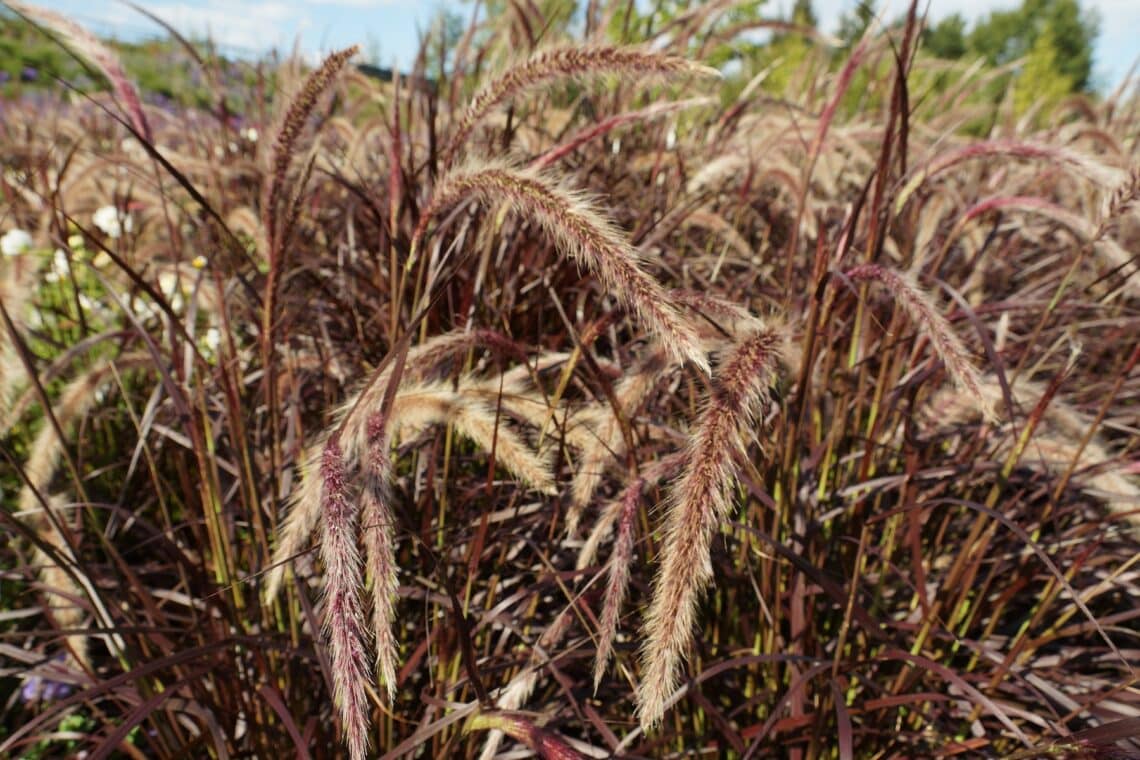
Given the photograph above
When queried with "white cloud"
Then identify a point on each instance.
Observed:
(249, 25)
(254, 26)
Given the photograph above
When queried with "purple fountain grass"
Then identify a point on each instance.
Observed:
(919, 307)
(1081, 164)
(52, 524)
(594, 131)
(357, 441)
(607, 441)
(583, 233)
(699, 501)
(1066, 439)
(844, 536)
(414, 406)
(419, 406)
(379, 546)
(1090, 233)
(292, 123)
(277, 221)
(516, 693)
(88, 47)
(343, 614)
(18, 275)
(618, 578)
(546, 745)
(566, 63)
(664, 469)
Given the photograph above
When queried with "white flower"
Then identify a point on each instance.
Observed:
(169, 283)
(60, 266)
(111, 222)
(671, 138)
(212, 339)
(250, 133)
(15, 242)
(172, 287)
(144, 310)
(132, 148)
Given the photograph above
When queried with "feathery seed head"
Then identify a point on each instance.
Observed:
(618, 582)
(919, 306)
(567, 63)
(583, 233)
(699, 501)
(343, 615)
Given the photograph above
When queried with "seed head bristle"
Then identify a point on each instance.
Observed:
(88, 47)
(919, 306)
(567, 63)
(607, 441)
(618, 578)
(379, 545)
(300, 521)
(292, 123)
(583, 233)
(343, 614)
(699, 501)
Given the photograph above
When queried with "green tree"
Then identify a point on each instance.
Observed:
(946, 39)
(804, 14)
(1005, 36)
(789, 51)
(1042, 78)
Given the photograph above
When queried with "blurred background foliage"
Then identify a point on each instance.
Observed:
(1045, 47)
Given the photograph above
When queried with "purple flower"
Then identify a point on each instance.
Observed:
(37, 688)
(31, 689)
(29, 74)
(4, 77)
(54, 690)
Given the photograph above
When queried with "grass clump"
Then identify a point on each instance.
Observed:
(583, 415)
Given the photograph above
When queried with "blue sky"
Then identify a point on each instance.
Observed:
(391, 27)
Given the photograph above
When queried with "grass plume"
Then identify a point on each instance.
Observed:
(488, 303)
(584, 234)
(343, 613)
(700, 500)
(617, 579)
(89, 48)
(920, 308)
(567, 63)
